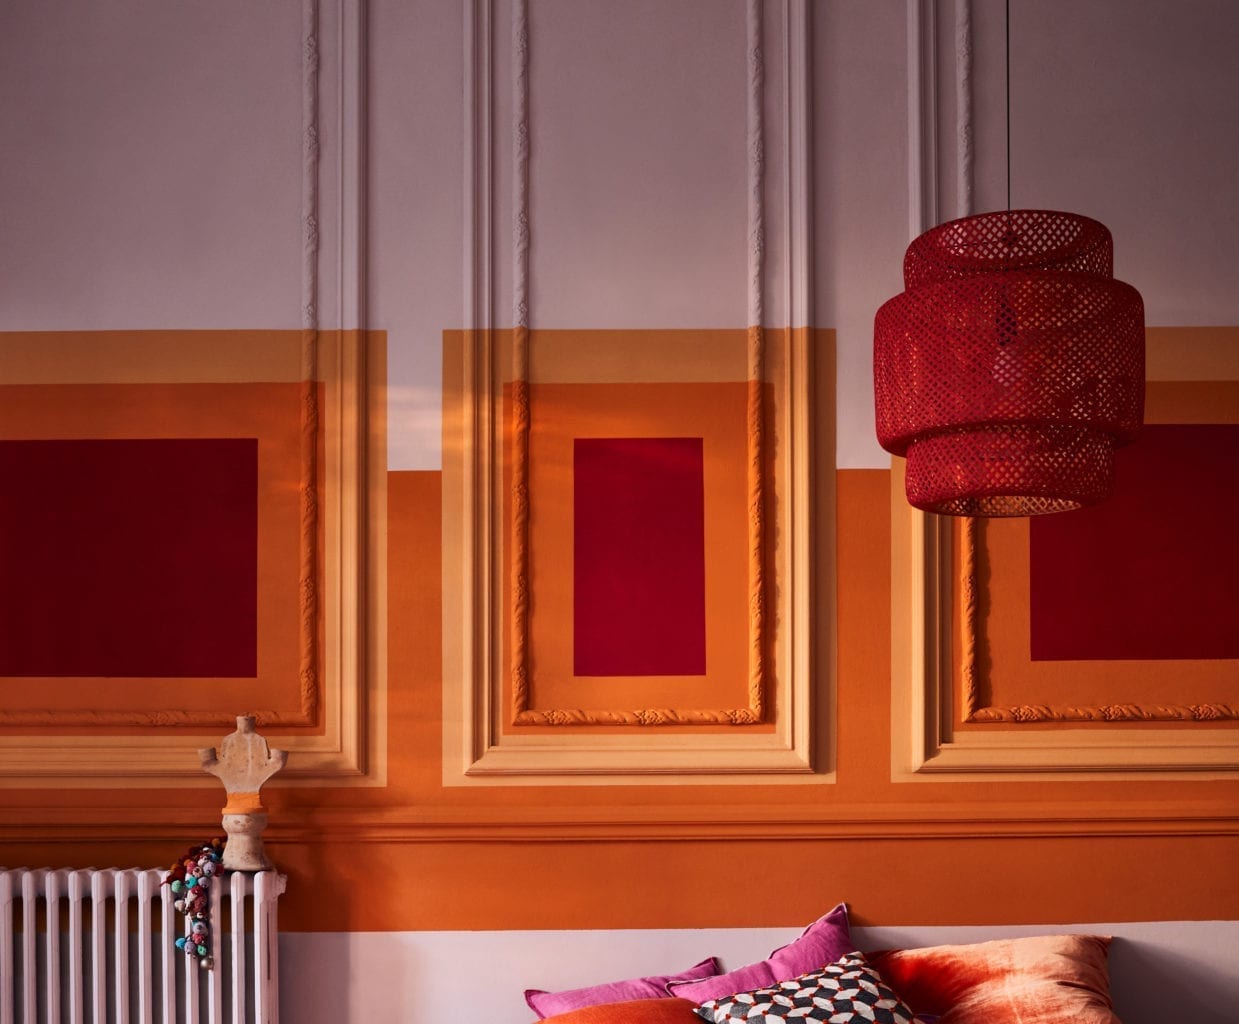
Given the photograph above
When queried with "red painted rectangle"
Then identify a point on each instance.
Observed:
(639, 599)
(130, 557)
(1152, 573)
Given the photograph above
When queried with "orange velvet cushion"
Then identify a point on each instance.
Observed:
(635, 1011)
(1045, 979)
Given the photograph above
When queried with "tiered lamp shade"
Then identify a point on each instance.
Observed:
(1011, 366)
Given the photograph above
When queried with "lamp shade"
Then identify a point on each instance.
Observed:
(1011, 366)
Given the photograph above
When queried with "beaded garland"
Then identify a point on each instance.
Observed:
(190, 879)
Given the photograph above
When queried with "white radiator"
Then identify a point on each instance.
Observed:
(98, 947)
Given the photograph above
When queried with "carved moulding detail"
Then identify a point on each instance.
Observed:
(43, 717)
(642, 716)
(487, 659)
(935, 595)
(755, 412)
(972, 682)
(1107, 713)
(308, 593)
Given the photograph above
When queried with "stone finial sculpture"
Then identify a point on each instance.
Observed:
(243, 764)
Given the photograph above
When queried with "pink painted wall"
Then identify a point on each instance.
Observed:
(638, 169)
(153, 159)
(151, 165)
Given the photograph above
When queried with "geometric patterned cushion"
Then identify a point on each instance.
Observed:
(849, 990)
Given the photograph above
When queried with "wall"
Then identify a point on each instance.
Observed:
(155, 180)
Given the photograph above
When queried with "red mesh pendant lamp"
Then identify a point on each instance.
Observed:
(1011, 366)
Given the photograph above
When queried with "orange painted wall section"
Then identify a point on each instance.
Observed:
(414, 855)
(666, 875)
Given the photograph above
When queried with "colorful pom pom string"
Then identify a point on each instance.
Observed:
(190, 880)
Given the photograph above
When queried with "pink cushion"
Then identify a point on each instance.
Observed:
(544, 1004)
(822, 943)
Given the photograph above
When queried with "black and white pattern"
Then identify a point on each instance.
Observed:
(847, 991)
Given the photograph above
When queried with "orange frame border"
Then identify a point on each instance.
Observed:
(525, 629)
(67, 412)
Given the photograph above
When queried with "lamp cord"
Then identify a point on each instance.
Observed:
(1008, 69)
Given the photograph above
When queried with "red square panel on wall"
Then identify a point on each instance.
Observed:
(129, 557)
(638, 557)
(1153, 573)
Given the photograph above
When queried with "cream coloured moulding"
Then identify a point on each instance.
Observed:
(479, 361)
(926, 649)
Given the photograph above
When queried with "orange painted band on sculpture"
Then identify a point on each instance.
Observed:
(243, 803)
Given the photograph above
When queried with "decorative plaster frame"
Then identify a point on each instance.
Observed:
(476, 749)
(342, 685)
(523, 713)
(934, 581)
(926, 746)
(967, 589)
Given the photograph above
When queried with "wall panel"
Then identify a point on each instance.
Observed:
(639, 218)
(180, 174)
(496, 423)
(961, 640)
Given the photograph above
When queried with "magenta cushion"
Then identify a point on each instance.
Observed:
(822, 943)
(545, 1004)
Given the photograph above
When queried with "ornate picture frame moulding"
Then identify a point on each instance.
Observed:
(934, 564)
(937, 678)
(342, 684)
(480, 751)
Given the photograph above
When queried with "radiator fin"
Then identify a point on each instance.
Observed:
(97, 946)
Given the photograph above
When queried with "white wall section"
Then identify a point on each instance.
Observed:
(1160, 971)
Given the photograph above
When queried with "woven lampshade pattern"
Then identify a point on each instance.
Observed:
(1011, 366)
